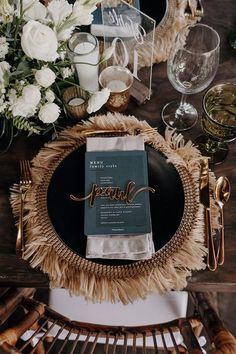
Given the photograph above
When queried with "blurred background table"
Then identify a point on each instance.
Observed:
(15, 272)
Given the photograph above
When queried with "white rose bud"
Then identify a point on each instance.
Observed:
(49, 113)
(50, 96)
(31, 94)
(39, 41)
(45, 77)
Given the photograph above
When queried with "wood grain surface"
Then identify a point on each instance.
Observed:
(15, 272)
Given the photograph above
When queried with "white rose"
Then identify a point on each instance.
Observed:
(50, 96)
(31, 94)
(22, 108)
(45, 77)
(49, 113)
(32, 10)
(4, 71)
(59, 10)
(39, 41)
(97, 100)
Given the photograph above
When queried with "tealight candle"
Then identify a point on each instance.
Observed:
(84, 50)
(77, 101)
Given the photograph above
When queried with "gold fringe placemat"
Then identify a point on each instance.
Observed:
(167, 270)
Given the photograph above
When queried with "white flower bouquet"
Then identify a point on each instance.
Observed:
(33, 62)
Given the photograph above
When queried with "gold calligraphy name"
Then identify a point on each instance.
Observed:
(113, 193)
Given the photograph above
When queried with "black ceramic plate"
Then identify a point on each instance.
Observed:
(67, 217)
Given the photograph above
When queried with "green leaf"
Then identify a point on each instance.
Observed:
(23, 124)
(23, 68)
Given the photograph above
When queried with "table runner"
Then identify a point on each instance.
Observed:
(169, 267)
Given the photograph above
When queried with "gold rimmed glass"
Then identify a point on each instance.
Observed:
(218, 122)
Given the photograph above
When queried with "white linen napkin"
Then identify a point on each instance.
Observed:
(134, 247)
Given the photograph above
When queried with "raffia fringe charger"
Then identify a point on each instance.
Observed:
(167, 270)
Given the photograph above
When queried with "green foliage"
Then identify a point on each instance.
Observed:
(23, 124)
(23, 70)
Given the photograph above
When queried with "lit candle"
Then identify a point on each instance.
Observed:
(87, 74)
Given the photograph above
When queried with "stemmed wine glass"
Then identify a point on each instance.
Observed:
(218, 122)
(191, 67)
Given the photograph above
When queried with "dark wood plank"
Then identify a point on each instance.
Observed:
(14, 272)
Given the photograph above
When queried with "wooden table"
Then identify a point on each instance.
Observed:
(15, 272)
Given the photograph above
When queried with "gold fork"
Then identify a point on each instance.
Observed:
(199, 9)
(188, 10)
(198, 12)
(25, 184)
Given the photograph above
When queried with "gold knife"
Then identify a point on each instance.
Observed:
(205, 200)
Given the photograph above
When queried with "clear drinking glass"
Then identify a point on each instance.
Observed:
(191, 67)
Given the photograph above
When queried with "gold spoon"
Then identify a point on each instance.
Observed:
(222, 194)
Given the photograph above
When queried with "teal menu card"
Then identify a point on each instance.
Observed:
(116, 193)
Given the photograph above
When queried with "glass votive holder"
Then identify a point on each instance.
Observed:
(75, 102)
(119, 80)
(83, 51)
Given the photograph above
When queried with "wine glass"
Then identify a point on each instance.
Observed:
(218, 122)
(191, 67)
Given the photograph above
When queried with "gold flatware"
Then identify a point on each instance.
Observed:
(25, 184)
(199, 9)
(205, 200)
(188, 10)
(222, 194)
(191, 13)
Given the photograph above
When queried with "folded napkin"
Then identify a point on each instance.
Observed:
(134, 247)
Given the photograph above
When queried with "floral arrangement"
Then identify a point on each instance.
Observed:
(33, 61)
